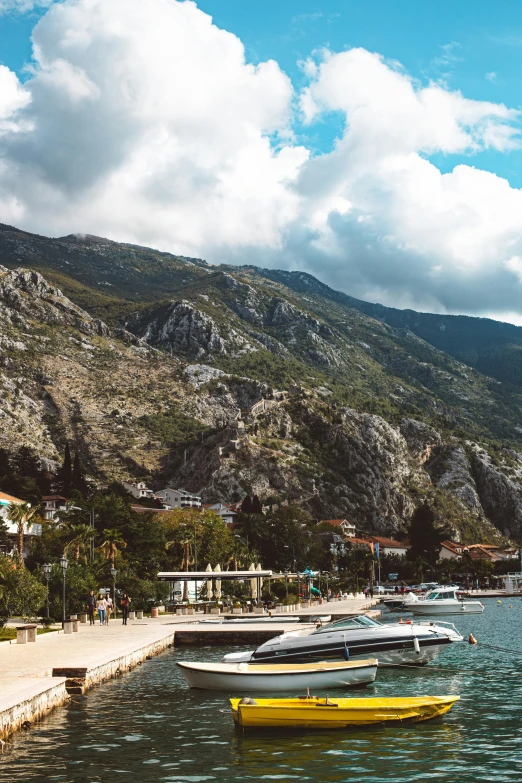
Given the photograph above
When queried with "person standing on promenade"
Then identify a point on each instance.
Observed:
(101, 605)
(91, 606)
(124, 603)
(109, 609)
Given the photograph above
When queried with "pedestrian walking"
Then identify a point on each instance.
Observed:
(101, 606)
(124, 603)
(91, 606)
(109, 609)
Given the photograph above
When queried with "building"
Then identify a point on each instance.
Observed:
(449, 550)
(388, 546)
(335, 543)
(223, 510)
(347, 528)
(12, 531)
(52, 504)
(178, 498)
(138, 489)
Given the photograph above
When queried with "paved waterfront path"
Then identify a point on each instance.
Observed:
(96, 653)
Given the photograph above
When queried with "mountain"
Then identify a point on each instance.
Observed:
(234, 380)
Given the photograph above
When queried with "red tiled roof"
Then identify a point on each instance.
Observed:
(388, 542)
(54, 497)
(452, 547)
(479, 553)
(336, 522)
(154, 510)
(10, 498)
(360, 541)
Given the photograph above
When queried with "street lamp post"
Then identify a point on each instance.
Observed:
(64, 564)
(47, 568)
(113, 574)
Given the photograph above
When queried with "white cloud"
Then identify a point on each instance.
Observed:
(492, 76)
(142, 121)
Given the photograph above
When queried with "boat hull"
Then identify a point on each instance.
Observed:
(338, 713)
(279, 678)
(436, 609)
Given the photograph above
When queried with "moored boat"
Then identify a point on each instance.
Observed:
(442, 601)
(279, 676)
(325, 713)
(353, 638)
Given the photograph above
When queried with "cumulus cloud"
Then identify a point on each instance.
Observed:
(141, 120)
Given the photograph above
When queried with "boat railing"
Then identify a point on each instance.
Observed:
(439, 622)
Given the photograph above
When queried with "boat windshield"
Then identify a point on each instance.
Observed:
(349, 624)
(440, 596)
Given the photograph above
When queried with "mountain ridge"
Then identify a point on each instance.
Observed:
(238, 380)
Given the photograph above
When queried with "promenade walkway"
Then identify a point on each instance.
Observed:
(35, 678)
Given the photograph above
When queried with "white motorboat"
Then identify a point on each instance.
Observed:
(272, 677)
(441, 601)
(355, 638)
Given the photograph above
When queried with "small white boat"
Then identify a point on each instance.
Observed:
(441, 600)
(271, 677)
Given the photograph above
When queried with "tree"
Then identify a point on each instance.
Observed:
(111, 545)
(425, 537)
(246, 505)
(79, 538)
(256, 507)
(77, 476)
(64, 477)
(21, 592)
(4, 538)
(23, 516)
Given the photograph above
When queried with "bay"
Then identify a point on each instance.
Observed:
(149, 726)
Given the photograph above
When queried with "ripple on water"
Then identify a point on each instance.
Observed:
(149, 722)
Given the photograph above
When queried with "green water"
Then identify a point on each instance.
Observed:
(148, 726)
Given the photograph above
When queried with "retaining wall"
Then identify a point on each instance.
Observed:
(33, 707)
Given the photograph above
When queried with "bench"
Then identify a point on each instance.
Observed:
(25, 633)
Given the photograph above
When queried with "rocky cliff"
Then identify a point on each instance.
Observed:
(242, 384)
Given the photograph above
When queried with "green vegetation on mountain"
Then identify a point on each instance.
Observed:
(149, 365)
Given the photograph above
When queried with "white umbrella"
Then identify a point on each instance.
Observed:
(218, 583)
(209, 582)
(260, 578)
(253, 582)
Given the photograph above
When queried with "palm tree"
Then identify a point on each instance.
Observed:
(112, 543)
(79, 537)
(23, 516)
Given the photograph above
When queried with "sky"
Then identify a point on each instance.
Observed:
(376, 145)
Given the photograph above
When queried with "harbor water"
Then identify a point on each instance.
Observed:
(149, 726)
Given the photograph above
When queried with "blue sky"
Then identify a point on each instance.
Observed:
(374, 144)
(475, 47)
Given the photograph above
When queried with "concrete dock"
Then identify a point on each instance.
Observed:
(35, 678)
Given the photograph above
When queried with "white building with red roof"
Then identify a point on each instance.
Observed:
(346, 528)
(30, 532)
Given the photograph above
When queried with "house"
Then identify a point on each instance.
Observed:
(138, 489)
(52, 504)
(451, 551)
(12, 531)
(147, 510)
(483, 552)
(178, 498)
(347, 528)
(388, 546)
(223, 510)
(335, 542)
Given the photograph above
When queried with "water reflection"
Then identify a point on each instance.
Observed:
(148, 726)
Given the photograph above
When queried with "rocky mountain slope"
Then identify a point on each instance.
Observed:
(231, 381)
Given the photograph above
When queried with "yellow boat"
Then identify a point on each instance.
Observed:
(314, 712)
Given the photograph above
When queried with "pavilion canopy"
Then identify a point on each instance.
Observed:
(201, 576)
